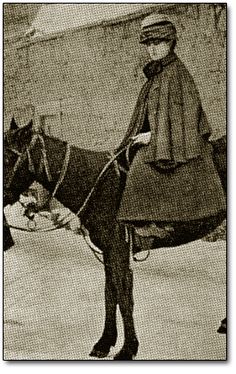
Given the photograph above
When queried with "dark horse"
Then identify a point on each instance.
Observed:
(30, 156)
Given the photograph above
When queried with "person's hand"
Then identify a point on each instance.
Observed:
(143, 138)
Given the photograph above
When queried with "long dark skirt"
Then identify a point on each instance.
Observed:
(190, 192)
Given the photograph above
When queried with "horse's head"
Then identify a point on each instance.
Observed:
(17, 176)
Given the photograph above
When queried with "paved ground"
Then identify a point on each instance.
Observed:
(54, 303)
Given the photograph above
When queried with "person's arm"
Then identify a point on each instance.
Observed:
(142, 138)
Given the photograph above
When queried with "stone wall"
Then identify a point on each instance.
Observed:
(82, 84)
(17, 18)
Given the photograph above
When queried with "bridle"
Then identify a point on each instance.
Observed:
(43, 164)
(26, 155)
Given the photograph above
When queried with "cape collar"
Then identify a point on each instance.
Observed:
(155, 67)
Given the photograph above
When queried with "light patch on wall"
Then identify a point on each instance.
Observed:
(48, 116)
(53, 18)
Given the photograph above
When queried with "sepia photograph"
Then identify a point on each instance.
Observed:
(114, 181)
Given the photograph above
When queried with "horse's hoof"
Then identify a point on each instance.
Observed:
(102, 348)
(124, 356)
(99, 354)
(223, 327)
(128, 352)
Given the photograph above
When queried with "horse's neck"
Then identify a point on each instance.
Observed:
(82, 171)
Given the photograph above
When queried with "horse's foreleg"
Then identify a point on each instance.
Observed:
(122, 279)
(124, 282)
(118, 290)
(109, 336)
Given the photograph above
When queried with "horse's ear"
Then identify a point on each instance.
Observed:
(26, 131)
(13, 124)
(28, 128)
(30, 125)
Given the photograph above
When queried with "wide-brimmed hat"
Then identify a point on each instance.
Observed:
(157, 26)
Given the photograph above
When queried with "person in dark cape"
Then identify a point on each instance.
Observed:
(172, 177)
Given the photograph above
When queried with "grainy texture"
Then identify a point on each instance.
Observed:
(81, 85)
(93, 75)
(54, 299)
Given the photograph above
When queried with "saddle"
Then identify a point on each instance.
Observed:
(161, 234)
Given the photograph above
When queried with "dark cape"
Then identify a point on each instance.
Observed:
(174, 177)
(179, 121)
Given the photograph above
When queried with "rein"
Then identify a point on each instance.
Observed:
(44, 163)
